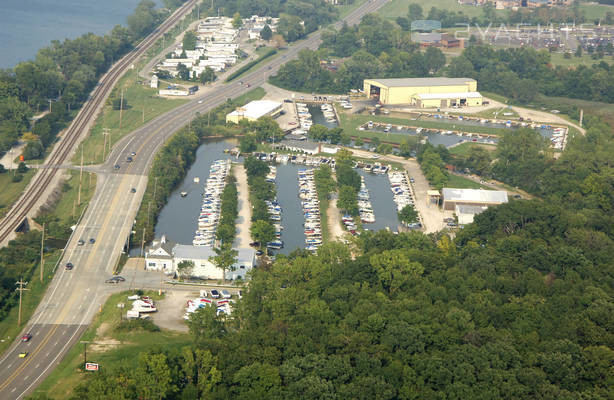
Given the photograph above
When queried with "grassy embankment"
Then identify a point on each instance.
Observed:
(143, 105)
(458, 182)
(463, 148)
(109, 348)
(399, 8)
(264, 54)
(559, 59)
(12, 190)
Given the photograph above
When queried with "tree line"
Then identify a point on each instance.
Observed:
(262, 229)
(229, 211)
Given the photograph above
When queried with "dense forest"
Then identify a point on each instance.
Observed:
(518, 305)
(61, 77)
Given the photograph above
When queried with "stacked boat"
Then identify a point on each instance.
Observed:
(328, 112)
(350, 225)
(311, 209)
(401, 191)
(304, 116)
(558, 138)
(364, 204)
(274, 210)
(210, 210)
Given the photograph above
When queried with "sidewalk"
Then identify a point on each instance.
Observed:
(243, 223)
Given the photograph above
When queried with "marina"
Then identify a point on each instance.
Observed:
(311, 209)
(210, 210)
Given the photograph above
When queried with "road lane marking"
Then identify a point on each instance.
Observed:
(13, 389)
(38, 365)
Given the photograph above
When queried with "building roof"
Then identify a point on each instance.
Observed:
(256, 109)
(193, 252)
(451, 95)
(469, 210)
(188, 251)
(299, 144)
(403, 82)
(474, 195)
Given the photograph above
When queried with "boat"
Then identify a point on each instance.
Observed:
(275, 245)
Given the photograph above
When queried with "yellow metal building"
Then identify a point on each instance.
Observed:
(425, 92)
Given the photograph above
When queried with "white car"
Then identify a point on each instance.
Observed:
(226, 294)
(200, 102)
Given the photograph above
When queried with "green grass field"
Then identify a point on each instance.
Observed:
(559, 59)
(144, 105)
(459, 182)
(12, 190)
(594, 11)
(399, 8)
(126, 346)
(68, 203)
(463, 148)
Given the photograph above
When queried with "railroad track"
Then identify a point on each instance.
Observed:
(63, 149)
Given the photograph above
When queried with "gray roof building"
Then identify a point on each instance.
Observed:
(472, 197)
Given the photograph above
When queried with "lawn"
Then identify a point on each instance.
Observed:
(12, 190)
(463, 148)
(127, 345)
(458, 182)
(67, 207)
(593, 11)
(399, 8)
(604, 110)
(143, 106)
(559, 59)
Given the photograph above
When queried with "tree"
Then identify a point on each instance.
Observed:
(255, 167)
(34, 149)
(183, 72)
(415, 12)
(237, 22)
(247, 144)
(348, 200)
(434, 59)
(408, 214)
(189, 40)
(153, 377)
(208, 75)
(225, 257)
(266, 33)
(22, 168)
(394, 269)
(579, 51)
(185, 269)
(262, 231)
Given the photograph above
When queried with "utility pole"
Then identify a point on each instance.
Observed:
(121, 108)
(105, 133)
(148, 207)
(49, 106)
(42, 250)
(80, 178)
(21, 288)
(143, 242)
(85, 343)
(155, 188)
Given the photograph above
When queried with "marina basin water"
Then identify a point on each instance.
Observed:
(384, 208)
(292, 219)
(178, 220)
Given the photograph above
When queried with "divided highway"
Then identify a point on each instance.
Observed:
(26, 205)
(75, 296)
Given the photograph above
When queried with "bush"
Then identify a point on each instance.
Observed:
(17, 178)
(137, 324)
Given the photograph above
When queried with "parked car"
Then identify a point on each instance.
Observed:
(116, 166)
(115, 279)
(133, 190)
(259, 252)
(69, 266)
(133, 154)
(240, 294)
(26, 337)
(226, 294)
(215, 294)
(129, 159)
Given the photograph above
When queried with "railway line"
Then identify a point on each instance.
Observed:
(79, 126)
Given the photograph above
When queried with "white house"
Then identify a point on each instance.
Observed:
(205, 269)
(160, 256)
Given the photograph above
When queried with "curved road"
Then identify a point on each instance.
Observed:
(74, 297)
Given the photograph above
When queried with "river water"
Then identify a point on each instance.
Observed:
(28, 25)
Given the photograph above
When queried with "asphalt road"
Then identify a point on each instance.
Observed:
(74, 297)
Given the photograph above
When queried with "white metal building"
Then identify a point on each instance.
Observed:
(254, 110)
(472, 197)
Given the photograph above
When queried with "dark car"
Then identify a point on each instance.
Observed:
(133, 190)
(116, 166)
(26, 337)
(115, 279)
(81, 242)
(254, 244)
(120, 278)
(128, 159)
(517, 196)
(92, 240)
(69, 266)
(215, 294)
(259, 252)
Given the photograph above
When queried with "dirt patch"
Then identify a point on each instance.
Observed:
(104, 344)
(171, 310)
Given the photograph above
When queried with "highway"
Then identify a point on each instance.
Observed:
(75, 296)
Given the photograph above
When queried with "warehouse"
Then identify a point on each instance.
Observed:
(254, 110)
(472, 197)
(424, 92)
